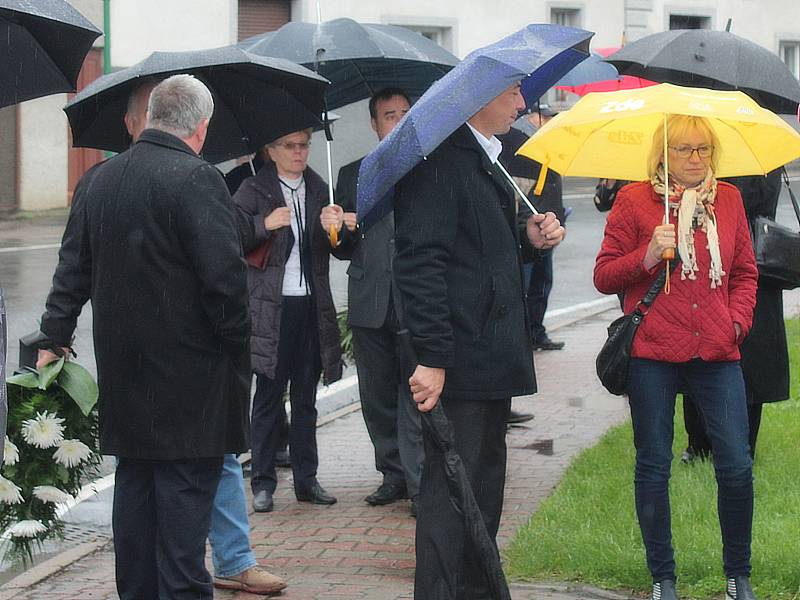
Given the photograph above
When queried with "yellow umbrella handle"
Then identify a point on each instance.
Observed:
(537, 191)
(334, 236)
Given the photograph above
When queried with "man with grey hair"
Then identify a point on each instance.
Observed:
(152, 241)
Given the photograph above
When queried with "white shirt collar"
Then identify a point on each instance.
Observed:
(492, 146)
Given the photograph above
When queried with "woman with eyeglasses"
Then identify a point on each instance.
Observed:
(295, 335)
(689, 340)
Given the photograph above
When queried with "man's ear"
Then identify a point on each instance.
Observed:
(374, 124)
(129, 124)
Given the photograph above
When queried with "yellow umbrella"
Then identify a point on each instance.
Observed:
(609, 134)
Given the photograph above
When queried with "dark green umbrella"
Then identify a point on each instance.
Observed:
(45, 44)
(717, 60)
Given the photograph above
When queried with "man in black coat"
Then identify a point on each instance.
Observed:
(459, 272)
(373, 316)
(151, 241)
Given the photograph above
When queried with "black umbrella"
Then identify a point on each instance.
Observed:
(358, 58)
(256, 100)
(713, 59)
(46, 42)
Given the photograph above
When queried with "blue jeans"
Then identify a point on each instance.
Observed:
(230, 530)
(717, 389)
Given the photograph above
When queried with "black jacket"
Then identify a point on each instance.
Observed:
(369, 284)
(459, 274)
(151, 240)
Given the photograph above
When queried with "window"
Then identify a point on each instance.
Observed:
(259, 16)
(570, 17)
(439, 35)
(790, 54)
(689, 22)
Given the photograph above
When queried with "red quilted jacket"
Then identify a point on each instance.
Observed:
(693, 320)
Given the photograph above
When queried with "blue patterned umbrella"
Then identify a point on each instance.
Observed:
(538, 55)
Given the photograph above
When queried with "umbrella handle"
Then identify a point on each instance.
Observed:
(334, 236)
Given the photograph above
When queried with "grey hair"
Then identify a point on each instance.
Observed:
(178, 104)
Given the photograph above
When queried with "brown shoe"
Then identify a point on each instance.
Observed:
(254, 580)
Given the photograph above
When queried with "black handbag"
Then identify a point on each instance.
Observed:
(777, 248)
(615, 356)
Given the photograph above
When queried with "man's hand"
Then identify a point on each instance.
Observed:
(350, 221)
(45, 357)
(544, 231)
(426, 386)
(332, 215)
(280, 217)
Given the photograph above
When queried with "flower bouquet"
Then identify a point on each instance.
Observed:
(50, 452)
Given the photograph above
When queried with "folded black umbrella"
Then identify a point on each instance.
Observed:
(358, 58)
(256, 100)
(45, 44)
(717, 60)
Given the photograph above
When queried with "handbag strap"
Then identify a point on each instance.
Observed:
(785, 177)
(658, 284)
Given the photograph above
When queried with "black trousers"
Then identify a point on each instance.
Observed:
(299, 364)
(390, 414)
(696, 428)
(539, 287)
(161, 516)
(447, 566)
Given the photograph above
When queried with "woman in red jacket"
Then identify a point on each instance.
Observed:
(689, 340)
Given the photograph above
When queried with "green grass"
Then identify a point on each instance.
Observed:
(587, 530)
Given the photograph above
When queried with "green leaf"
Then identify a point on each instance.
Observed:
(49, 372)
(80, 385)
(27, 379)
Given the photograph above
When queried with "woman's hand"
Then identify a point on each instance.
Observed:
(332, 215)
(280, 217)
(663, 239)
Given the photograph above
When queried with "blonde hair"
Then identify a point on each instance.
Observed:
(678, 126)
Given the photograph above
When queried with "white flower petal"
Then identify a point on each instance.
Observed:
(10, 453)
(71, 453)
(9, 492)
(27, 529)
(48, 493)
(45, 431)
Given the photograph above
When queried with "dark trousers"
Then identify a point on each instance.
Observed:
(390, 414)
(718, 390)
(447, 566)
(299, 365)
(696, 428)
(540, 285)
(161, 517)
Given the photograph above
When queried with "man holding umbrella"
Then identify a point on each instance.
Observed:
(458, 270)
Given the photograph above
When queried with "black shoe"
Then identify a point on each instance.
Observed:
(386, 494)
(664, 590)
(282, 459)
(545, 343)
(739, 588)
(515, 417)
(314, 493)
(262, 501)
(414, 507)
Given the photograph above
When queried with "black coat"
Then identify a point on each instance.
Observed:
(369, 282)
(151, 240)
(258, 196)
(459, 273)
(765, 356)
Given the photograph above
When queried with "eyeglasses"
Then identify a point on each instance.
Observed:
(703, 151)
(292, 146)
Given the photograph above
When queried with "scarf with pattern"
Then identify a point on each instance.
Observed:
(694, 208)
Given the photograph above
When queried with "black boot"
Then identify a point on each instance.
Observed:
(739, 588)
(664, 590)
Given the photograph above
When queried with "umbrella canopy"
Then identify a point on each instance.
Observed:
(538, 55)
(588, 77)
(712, 59)
(46, 42)
(256, 100)
(358, 58)
(610, 135)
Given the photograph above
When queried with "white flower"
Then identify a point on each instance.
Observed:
(9, 492)
(10, 453)
(48, 493)
(45, 431)
(26, 529)
(71, 453)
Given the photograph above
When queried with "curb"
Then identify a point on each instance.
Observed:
(580, 591)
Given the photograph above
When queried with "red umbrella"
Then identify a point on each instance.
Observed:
(623, 82)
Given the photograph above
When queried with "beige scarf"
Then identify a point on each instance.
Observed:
(694, 208)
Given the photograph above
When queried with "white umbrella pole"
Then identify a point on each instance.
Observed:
(669, 253)
(517, 188)
(332, 233)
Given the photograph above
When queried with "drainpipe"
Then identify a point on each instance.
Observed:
(107, 36)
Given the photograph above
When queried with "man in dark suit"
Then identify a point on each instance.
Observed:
(151, 240)
(373, 316)
(459, 271)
